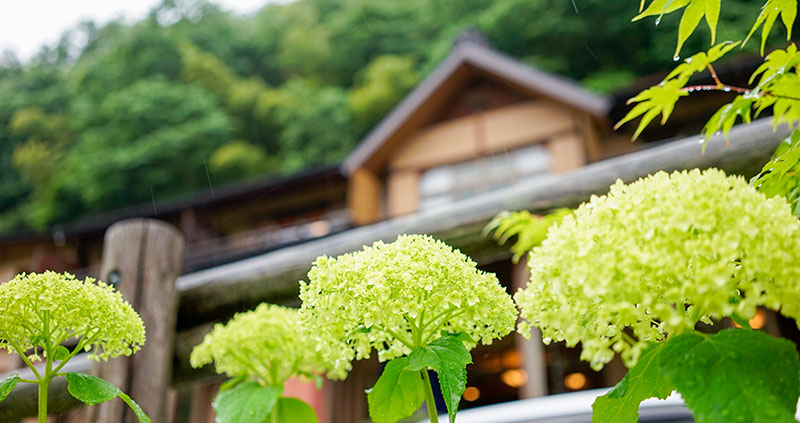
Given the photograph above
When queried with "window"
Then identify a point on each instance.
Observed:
(444, 184)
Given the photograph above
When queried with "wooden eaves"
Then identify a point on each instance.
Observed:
(466, 58)
(218, 292)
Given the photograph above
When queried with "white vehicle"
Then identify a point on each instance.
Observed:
(574, 407)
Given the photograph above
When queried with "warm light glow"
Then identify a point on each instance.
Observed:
(757, 322)
(492, 363)
(472, 393)
(514, 377)
(512, 359)
(575, 381)
(319, 228)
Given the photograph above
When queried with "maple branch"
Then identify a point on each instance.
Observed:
(723, 87)
(714, 75)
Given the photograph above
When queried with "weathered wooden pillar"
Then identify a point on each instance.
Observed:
(532, 350)
(142, 257)
(347, 400)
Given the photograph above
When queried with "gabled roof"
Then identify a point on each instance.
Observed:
(484, 59)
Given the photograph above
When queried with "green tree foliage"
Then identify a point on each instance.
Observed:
(385, 81)
(293, 84)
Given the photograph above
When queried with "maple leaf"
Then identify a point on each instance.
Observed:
(652, 101)
(787, 9)
(695, 11)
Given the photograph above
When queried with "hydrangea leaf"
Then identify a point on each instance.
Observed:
(92, 390)
(397, 394)
(293, 410)
(787, 9)
(61, 353)
(737, 375)
(247, 402)
(643, 381)
(89, 389)
(449, 358)
(137, 409)
(7, 385)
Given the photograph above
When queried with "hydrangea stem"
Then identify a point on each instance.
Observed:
(44, 385)
(433, 415)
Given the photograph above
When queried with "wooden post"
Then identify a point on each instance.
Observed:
(142, 257)
(532, 350)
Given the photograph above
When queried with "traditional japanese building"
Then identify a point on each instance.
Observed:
(482, 133)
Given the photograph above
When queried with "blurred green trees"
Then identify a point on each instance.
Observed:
(117, 114)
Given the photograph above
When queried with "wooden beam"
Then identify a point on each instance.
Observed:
(222, 290)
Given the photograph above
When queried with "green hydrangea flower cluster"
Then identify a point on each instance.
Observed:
(38, 308)
(266, 344)
(398, 297)
(653, 258)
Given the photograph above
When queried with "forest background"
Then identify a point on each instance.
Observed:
(125, 113)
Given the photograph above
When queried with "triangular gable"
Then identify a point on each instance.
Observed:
(448, 77)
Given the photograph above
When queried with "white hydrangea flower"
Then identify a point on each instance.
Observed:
(653, 258)
(38, 309)
(397, 297)
(266, 345)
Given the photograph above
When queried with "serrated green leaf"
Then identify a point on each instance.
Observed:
(247, 402)
(61, 353)
(89, 389)
(696, 11)
(397, 394)
(700, 61)
(737, 375)
(660, 8)
(293, 410)
(724, 119)
(787, 9)
(781, 175)
(645, 380)
(92, 390)
(653, 101)
(140, 414)
(449, 358)
(775, 64)
(7, 385)
(529, 229)
(785, 93)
